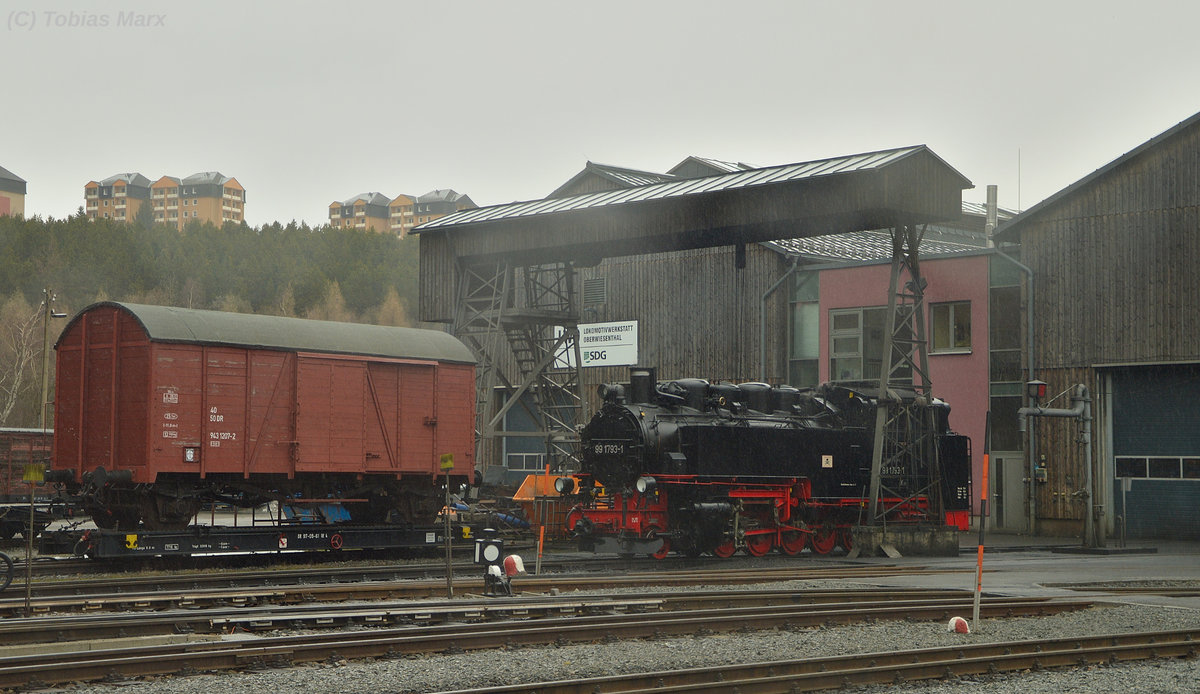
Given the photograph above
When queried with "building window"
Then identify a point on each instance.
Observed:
(804, 348)
(1006, 377)
(1158, 468)
(952, 327)
(857, 343)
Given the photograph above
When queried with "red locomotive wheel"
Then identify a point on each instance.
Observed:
(724, 550)
(793, 542)
(825, 540)
(759, 545)
(335, 541)
(662, 551)
(846, 539)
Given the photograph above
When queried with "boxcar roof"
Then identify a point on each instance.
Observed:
(193, 326)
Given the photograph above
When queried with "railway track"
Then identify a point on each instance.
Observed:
(371, 583)
(43, 668)
(24, 631)
(891, 668)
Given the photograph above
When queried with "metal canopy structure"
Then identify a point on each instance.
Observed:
(511, 268)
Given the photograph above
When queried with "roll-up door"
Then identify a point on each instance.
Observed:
(1156, 450)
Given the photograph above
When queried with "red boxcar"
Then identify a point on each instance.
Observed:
(159, 409)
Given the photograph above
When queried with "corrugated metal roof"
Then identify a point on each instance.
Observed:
(859, 245)
(628, 177)
(980, 209)
(673, 189)
(184, 325)
(715, 164)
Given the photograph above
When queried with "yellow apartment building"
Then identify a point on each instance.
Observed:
(12, 193)
(208, 196)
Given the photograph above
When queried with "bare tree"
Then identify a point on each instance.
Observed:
(20, 342)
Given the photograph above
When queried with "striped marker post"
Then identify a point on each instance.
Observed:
(983, 512)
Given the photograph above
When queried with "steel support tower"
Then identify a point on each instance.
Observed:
(904, 463)
(522, 324)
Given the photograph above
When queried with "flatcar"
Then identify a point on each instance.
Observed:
(710, 468)
(159, 410)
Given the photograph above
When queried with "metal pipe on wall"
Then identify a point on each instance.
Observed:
(1081, 409)
(762, 321)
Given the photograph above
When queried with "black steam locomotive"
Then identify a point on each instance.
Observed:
(696, 467)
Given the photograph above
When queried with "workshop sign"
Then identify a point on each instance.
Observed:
(605, 344)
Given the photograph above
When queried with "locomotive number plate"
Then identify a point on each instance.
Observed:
(608, 447)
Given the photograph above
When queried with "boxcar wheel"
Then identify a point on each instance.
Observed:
(6, 570)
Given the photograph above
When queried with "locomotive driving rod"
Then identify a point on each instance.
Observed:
(1081, 409)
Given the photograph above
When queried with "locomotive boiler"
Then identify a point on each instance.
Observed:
(159, 410)
(695, 467)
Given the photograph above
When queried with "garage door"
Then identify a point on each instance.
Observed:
(1156, 450)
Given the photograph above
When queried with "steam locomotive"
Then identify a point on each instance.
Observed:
(695, 467)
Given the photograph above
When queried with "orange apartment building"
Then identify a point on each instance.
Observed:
(203, 197)
(363, 211)
(400, 214)
(12, 193)
(119, 197)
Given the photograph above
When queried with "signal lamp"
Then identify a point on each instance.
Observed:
(1036, 390)
(489, 549)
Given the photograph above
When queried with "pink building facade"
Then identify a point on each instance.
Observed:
(957, 327)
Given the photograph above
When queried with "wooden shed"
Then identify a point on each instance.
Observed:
(1114, 300)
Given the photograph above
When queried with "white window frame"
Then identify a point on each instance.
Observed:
(950, 312)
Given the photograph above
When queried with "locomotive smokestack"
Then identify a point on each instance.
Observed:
(642, 383)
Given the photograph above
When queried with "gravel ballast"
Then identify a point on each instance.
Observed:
(480, 669)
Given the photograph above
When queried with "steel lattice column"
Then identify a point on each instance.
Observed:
(904, 463)
(530, 325)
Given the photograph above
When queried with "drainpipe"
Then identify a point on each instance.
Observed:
(762, 319)
(1032, 445)
(1081, 409)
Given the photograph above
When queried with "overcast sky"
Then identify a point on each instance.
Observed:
(306, 103)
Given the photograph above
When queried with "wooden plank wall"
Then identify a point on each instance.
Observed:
(1116, 282)
(698, 315)
(1116, 265)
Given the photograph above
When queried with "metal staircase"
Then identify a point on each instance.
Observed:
(526, 337)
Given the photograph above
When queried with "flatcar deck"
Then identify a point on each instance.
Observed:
(209, 540)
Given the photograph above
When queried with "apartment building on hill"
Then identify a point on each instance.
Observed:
(208, 196)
